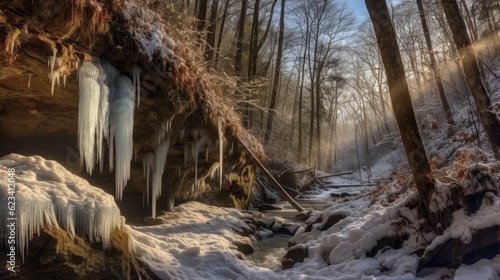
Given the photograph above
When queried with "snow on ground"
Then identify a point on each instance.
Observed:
(196, 241)
(41, 192)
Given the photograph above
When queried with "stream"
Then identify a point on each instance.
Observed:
(270, 251)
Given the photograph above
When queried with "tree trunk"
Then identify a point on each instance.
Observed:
(470, 22)
(301, 94)
(221, 32)
(254, 41)
(472, 72)
(239, 38)
(277, 74)
(201, 17)
(437, 75)
(318, 113)
(209, 48)
(401, 102)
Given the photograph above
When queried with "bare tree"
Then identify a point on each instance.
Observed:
(201, 16)
(239, 37)
(401, 101)
(472, 72)
(437, 75)
(277, 74)
(212, 24)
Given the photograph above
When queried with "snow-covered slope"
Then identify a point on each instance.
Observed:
(35, 192)
(196, 241)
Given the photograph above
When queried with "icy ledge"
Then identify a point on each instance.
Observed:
(46, 194)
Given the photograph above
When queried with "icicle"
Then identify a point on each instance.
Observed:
(159, 166)
(53, 60)
(181, 135)
(111, 76)
(220, 119)
(122, 121)
(52, 75)
(103, 114)
(54, 78)
(88, 112)
(163, 131)
(64, 200)
(29, 80)
(147, 165)
(195, 149)
(136, 74)
(186, 154)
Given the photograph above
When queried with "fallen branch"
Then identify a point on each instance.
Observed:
(333, 175)
(292, 190)
(274, 183)
(352, 185)
(321, 184)
(291, 171)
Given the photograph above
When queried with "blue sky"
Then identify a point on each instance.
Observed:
(359, 8)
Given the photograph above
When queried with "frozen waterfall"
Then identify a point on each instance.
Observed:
(106, 111)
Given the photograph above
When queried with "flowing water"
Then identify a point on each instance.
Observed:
(270, 251)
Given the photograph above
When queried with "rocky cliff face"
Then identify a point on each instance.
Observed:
(174, 90)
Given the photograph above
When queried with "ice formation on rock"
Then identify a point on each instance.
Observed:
(160, 160)
(136, 74)
(122, 124)
(148, 165)
(53, 76)
(106, 111)
(164, 130)
(220, 119)
(46, 194)
(102, 131)
(88, 113)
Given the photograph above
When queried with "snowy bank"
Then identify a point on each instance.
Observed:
(196, 241)
(42, 193)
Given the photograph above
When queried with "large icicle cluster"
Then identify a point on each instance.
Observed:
(106, 111)
(48, 195)
(155, 164)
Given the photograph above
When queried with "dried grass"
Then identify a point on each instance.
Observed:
(91, 16)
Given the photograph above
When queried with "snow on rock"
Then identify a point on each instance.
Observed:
(46, 194)
(483, 269)
(195, 241)
(341, 251)
(146, 29)
(477, 174)
(464, 226)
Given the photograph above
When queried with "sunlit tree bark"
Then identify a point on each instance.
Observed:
(472, 72)
(433, 64)
(401, 102)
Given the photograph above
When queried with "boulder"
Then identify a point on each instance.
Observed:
(265, 207)
(303, 237)
(54, 255)
(332, 219)
(294, 255)
(244, 246)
